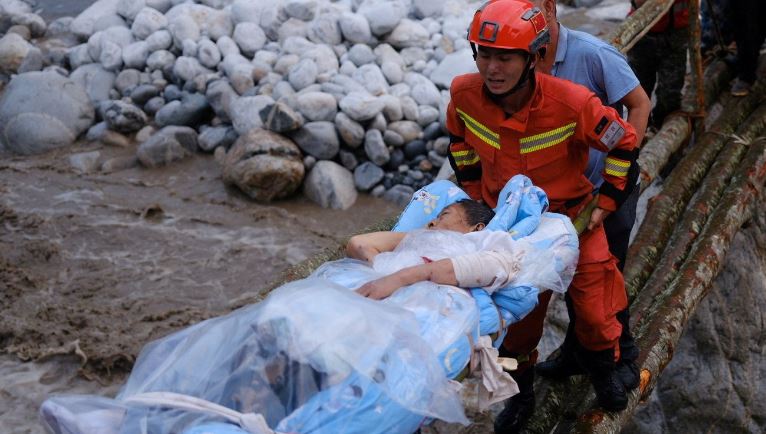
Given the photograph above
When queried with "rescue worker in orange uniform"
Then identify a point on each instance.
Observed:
(508, 119)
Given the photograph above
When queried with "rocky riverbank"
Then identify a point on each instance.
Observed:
(357, 86)
(345, 96)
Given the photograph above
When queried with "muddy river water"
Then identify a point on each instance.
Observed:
(94, 266)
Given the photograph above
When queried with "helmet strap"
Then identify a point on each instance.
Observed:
(527, 76)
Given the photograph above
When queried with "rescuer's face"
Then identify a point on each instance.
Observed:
(500, 69)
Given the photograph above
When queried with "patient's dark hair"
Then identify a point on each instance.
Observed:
(476, 212)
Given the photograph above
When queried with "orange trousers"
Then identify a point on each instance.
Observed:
(598, 294)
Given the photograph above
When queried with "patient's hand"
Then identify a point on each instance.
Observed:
(441, 272)
(381, 288)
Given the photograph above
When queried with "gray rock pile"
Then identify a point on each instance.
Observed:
(356, 85)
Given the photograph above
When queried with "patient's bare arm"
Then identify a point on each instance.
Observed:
(441, 272)
(367, 246)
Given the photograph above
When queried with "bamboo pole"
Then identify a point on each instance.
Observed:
(695, 216)
(678, 189)
(638, 24)
(689, 288)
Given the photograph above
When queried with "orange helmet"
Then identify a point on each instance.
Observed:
(510, 25)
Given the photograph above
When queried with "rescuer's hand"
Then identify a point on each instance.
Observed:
(597, 218)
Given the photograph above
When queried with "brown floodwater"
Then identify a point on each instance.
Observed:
(93, 266)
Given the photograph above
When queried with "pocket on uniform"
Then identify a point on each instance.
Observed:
(548, 163)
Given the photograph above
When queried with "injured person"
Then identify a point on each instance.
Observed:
(465, 215)
(316, 357)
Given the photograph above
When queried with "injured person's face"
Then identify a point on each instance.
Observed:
(453, 218)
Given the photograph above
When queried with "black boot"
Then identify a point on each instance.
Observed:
(627, 369)
(562, 366)
(610, 392)
(629, 374)
(518, 408)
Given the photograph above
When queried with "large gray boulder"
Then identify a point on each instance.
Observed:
(318, 139)
(96, 81)
(383, 15)
(330, 185)
(350, 131)
(191, 110)
(14, 7)
(100, 15)
(220, 95)
(325, 30)
(361, 106)
(245, 112)
(249, 38)
(123, 117)
(317, 106)
(189, 20)
(264, 165)
(41, 111)
(167, 145)
(147, 22)
(281, 118)
(18, 55)
(367, 175)
(427, 8)
(408, 33)
(355, 28)
(453, 64)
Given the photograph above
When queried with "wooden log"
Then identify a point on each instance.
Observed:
(678, 189)
(695, 59)
(559, 403)
(676, 130)
(692, 285)
(696, 215)
(638, 24)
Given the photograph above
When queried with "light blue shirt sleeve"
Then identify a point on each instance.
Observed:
(595, 64)
(591, 62)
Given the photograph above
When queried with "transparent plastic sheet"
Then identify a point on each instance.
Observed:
(446, 315)
(422, 243)
(82, 414)
(311, 358)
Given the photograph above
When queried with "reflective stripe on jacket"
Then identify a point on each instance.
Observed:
(547, 140)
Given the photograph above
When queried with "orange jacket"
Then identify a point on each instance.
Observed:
(547, 140)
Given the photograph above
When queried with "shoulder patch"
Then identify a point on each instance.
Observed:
(601, 124)
(612, 135)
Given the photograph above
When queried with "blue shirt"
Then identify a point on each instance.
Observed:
(591, 62)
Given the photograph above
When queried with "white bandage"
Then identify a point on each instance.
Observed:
(487, 269)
